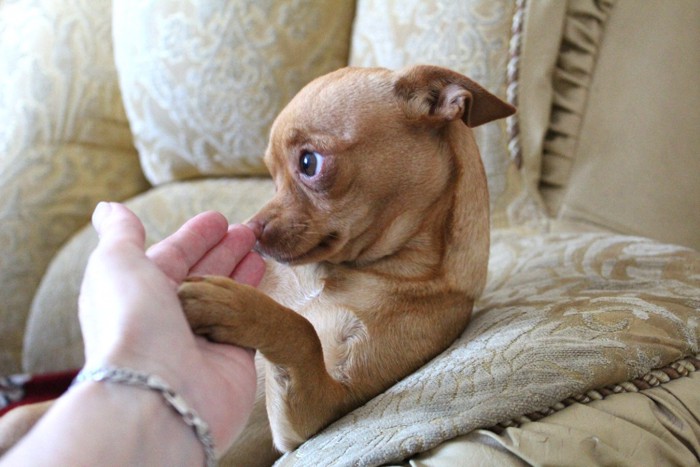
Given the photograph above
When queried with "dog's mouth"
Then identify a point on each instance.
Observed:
(320, 251)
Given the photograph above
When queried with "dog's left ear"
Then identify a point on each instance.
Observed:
(440, 95)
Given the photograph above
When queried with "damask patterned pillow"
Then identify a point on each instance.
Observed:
(203, 81)
(64, 142)
(472, 37)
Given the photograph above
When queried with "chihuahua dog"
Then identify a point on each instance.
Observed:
(380, 233)
(380, 229)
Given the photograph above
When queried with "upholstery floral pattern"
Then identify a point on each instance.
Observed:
(203, 81)
(471, 37)
(562, 314)
(64, 142)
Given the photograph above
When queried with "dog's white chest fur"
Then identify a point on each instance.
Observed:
(296, 288)
(339, 329)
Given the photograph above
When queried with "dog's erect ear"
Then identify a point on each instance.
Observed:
(437, 94)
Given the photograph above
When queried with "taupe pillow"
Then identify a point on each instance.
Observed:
(636, 166)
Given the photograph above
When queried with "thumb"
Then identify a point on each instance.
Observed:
(116, 224)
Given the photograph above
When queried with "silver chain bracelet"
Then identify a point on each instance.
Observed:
(146, 381)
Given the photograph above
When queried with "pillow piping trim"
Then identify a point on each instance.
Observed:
(681, 368)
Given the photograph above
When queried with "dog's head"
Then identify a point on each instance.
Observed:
(358, 157)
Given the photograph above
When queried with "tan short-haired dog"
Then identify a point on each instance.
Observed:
(382, 219)
(381, 226)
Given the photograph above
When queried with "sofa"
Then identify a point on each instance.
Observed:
(585, 346)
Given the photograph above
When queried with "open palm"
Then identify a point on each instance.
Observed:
(131, 317)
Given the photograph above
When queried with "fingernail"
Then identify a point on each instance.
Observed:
(101, 211)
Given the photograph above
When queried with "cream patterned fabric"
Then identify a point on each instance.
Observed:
(203, 81)
(471, 37)
(64, 142)
(53, 340)
(562, 314)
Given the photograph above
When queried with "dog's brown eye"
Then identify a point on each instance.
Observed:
(310, 163)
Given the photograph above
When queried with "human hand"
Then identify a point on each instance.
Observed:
(130, 314)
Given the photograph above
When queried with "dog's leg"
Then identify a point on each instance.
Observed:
(302, 397)
(17, 422)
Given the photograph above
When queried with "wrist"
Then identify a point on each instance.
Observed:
(150, 431)
(167, 404)
(94, 421)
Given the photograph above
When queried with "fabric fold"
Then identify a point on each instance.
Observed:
(583, 33)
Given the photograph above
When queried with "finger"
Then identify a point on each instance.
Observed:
(179, 252)
(228, 253)
(250, 270)
(116, 224)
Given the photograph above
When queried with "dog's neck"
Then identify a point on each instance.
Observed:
(450, 249)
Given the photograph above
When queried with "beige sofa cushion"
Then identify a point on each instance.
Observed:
(53, 340)
(471, 37)
(64, 142)
(637, 165)
(202, 81)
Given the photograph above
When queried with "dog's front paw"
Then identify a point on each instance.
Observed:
(220, 309)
